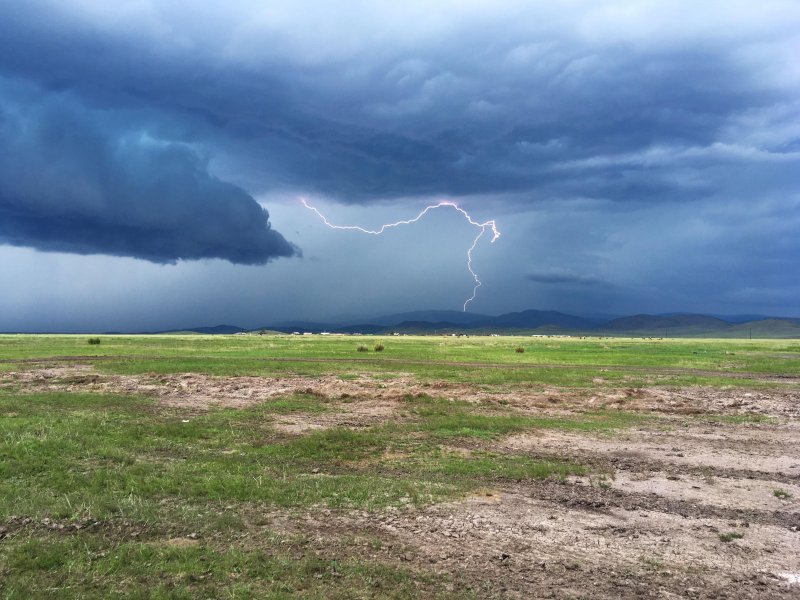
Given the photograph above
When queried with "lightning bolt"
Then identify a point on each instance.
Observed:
(488, 225)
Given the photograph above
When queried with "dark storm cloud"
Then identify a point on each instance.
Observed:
(464, 112)
(71, 184)
(564, 277)
(658, 142)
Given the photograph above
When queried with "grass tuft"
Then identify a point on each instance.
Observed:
(92, 566)
(782, 494)
(730, 536)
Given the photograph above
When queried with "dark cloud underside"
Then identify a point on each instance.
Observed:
(71, 183)
(563, 277)
(468, 111)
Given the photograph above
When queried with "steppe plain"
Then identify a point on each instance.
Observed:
(284, 466)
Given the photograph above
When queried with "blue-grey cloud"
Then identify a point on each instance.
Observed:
(560, 276)
(459, 110)
(71, 184)
(653, 145)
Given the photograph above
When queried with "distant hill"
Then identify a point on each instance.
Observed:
(220, 329)
(743, 318)
(431, 316)
(300, 326)
(531, 319)
(468, 322)
(553, 323)
(765, 328)
(546, 322)
(366, 328)
(686, 323)
(423, 327)
(215, 330)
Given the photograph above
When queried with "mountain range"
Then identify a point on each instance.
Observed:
(543, 322)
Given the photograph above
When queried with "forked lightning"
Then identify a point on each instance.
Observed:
(444, 203)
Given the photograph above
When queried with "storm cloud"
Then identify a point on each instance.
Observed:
(360, 102)
(563, 277)
(637, 154)
(67, 185)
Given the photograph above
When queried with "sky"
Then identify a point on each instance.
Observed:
(636, 156)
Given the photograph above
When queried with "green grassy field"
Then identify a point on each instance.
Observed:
(114, 495)
(550, 361)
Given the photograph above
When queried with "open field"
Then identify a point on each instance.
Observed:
(297, 466)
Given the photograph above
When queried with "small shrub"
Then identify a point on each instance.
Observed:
(653, 563)
(94, 341)
(362, 348)
(730, 536)
(782, 494)
(601, 482)
(519, 350)
(378, 347)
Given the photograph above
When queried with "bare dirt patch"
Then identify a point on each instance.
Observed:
(200, 392)
(723, 492)
(770, 449)
(656, 518)
(519, 543)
